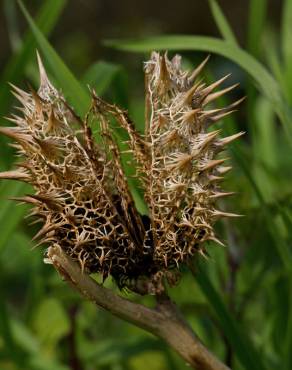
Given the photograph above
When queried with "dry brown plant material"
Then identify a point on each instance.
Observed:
(82, 195)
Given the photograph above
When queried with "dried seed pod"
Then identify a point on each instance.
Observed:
(183, 171)
(82, 193)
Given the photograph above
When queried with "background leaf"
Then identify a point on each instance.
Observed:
(74, 92)
(239, 341)
(14, 69)
(222, 22)
(240, 303)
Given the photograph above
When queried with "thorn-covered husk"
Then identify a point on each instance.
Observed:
(81, 190)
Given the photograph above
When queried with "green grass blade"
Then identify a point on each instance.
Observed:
(100, 76)
(222, 22)
(14, 70)
(263, 79)
(114, 351)
(209, 44)
(7, 335)
(287, 45)
(110, 79)
(288, 341)
(11, 213)
(256, 23)
(279, 243)
(273, 59)
(9, 8)
(74, 92)
(240, 343)
(265, 148)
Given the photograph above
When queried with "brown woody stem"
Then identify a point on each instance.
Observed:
(164, 321)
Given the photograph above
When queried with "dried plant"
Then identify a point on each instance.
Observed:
(83, 200)
(82, 195)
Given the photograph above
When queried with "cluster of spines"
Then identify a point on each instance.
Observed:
(82, 196)
(184, 173)
(75, 197)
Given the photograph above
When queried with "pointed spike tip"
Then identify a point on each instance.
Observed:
(228, 139)
(14, 175)
(198, 70)
(44, 80)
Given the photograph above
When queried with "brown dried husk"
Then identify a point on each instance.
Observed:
(82, 195)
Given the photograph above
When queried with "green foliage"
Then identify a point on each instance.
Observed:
(222, 22)
(239, 301)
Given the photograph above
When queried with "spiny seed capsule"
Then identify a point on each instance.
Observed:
(82, 194)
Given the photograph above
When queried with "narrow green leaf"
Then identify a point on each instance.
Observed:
(265, 148)
(23, 337)
(37, 363)
(30, 344)
(7, 335)
(209, 44)
(222, 22)
(263, 79)
(286, 30)
(110, 79)
(10, 212)
(50, 322)
(278, 241)
(256, 23)
(100, 76)
(13, 72)
(113, 351)
(9, 8)
(288, 341)
(287, 45)
(271, 53)
(240, 343)
(74, 92)
(14, 69)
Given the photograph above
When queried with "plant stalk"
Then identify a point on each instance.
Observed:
(164, 321)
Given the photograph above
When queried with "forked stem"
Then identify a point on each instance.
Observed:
(165, 321)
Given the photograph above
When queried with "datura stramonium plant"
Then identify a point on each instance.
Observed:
(82, 195)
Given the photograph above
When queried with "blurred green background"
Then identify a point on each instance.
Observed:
(240, 300)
